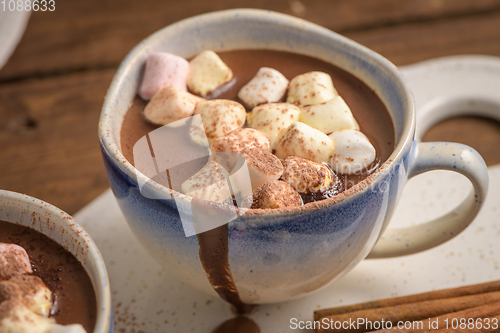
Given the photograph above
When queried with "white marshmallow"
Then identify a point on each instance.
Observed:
(353, 152)
(263, 166)
(273, 119)
(207, 72)
(225, 149)
(30, 290)
(170, 104)
(220, 116)
(163, 70)
(333, 115)
(311, 88)
(210, 183)
(19, 319)
(267, 86)
(239, 139)
(307, 176)
(304, 141)
(13, 261)
(217, 192)
(276, 194)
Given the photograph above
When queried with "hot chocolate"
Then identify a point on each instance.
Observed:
(73, 297)
(369, 111)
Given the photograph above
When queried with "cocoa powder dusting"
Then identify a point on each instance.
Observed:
(264, 161)
(276, 194)
(9, 290)
(27, 284)
(10, 264)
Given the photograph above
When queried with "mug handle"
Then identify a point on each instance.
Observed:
(438, 156)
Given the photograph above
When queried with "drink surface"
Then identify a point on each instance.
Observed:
(74, 297)
(369, 111)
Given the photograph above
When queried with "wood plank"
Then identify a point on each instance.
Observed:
(98, 34)
(409, 43)
(48, 133)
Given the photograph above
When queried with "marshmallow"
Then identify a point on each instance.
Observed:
(217, 192)
(304, 141)
(170, 104)
(33, 293)
(163, 70)
(220, 116)
(13, 261)
(311, 88)
(10, 290)
(210, 183)
(16, 317)
(333, 115)
(353, 152)
(263, 166)
(207, 72)
(307, 176)
(239, 139)
(273, 119)
(267, 86)
(276, 194)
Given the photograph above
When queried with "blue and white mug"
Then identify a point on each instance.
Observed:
(288, 252)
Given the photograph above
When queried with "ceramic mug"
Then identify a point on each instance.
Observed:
(54, 223)
(288, 252)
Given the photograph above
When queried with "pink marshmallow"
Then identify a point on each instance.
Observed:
(163, 70)
(13, 261)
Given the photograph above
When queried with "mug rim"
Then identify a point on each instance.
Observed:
(102, 291)
(113, 151)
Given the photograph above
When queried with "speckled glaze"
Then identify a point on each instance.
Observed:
(282, 254)
(62, 228)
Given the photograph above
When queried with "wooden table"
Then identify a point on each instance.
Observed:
(52, 88)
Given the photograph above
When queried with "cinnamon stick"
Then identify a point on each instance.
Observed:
(417, 311)
(433, 295)
(444, 323)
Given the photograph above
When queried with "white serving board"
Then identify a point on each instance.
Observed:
(146, 298)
